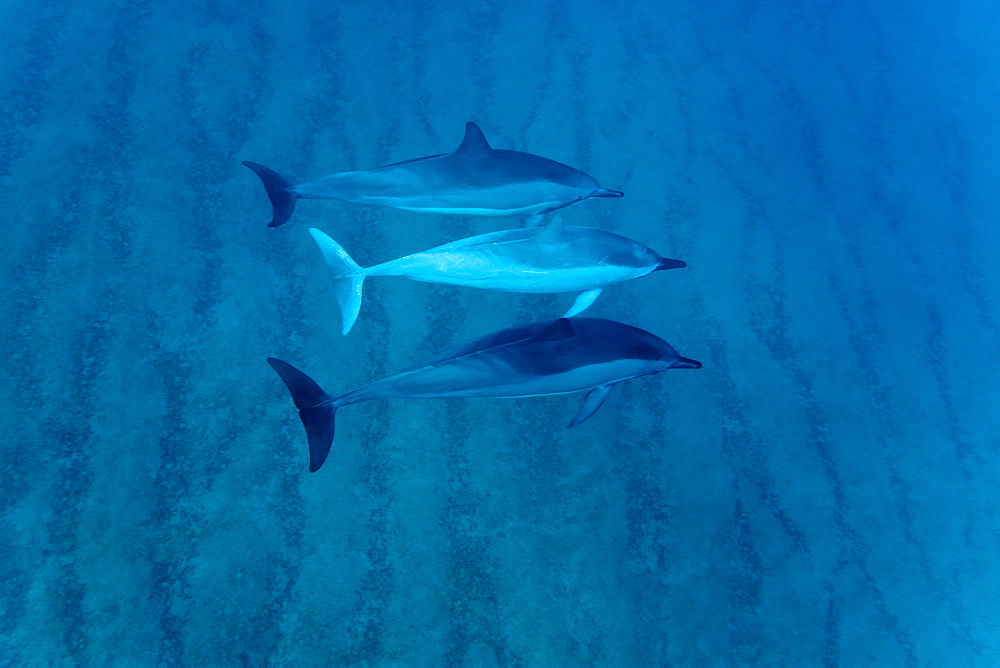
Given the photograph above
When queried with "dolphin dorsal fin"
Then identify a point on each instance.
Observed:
(552, 233)
(474, 141)
(557, 331)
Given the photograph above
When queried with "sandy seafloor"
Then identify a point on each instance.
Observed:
(823, 491)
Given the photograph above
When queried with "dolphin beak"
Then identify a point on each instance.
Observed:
(685, 363)
(667, 263)
(604, 192)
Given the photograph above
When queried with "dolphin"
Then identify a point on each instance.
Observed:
(473, 180)
(554, 258)
(544, 358)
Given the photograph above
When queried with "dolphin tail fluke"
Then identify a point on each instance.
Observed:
(316, 410)
(348, 278)
(277, 187)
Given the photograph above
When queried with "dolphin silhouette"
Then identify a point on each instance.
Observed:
(473, 180)
(554, 258)
(544, 358)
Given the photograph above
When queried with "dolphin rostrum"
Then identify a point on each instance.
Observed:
(544, 358)
(550, 259)
(473, 180)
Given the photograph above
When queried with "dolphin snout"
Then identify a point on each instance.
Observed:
(685, 363)
(604, 192)
(667, 263)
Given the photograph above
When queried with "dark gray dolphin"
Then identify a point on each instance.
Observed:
(552, 357)
(473, 180)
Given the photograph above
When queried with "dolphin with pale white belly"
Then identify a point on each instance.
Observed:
(545, 358)
(550, 259)
(473, 180)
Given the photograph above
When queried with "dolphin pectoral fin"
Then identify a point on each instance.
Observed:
(277, 187)
(348, 278)
(553, 233)
(583, 302)
(557, 330)
(591, 403)
(317, 410)
(536, 219)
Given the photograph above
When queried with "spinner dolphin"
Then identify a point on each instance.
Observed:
(473, 180)
(545, 358)
(550, 259)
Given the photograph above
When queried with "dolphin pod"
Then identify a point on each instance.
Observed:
(563, 356)
(551, 259)
(544, 358)
(473, 180)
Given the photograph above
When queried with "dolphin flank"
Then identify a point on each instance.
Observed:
(551, 259)
(473, 180)
(544, 358)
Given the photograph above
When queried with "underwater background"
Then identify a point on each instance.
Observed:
(824, 491)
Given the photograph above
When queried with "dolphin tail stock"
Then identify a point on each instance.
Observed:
(277, 187)
(348, 278)
(316, 410)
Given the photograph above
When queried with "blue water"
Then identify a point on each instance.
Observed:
(823, 491)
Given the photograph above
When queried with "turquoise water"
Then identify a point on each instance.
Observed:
(823, 491)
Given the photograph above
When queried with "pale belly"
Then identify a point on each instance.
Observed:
(489, 375)
(409, 191)
(464, 210)
(509, 273)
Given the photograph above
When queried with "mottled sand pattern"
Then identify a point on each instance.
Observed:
(823, 491)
